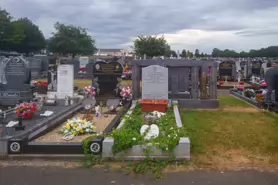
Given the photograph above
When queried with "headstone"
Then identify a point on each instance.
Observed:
(225, 69)
(75, 63)
(45, 62)
(107, 74)
(15, 77)
(256, 68)
(65, 84)
(271, 81)
(112, 104)
(36, 67)
(155, 83)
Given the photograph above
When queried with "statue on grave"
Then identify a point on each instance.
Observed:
(52, 86)
(204, 85)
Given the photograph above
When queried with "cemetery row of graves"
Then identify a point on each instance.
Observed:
(165, 112)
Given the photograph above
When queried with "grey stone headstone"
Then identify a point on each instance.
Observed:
(88, 102)
(270, 81)
(45, 62)
(15, 77)
(155, 82)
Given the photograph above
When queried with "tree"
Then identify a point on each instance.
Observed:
(197, 53)
(174, 54)
(189, 54)
(72, 40)
(183, 53)
(26, 36)
(5, 23)
(167, 51)
(151, 46)
(202, 54)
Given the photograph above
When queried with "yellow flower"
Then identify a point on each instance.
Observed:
(82, 131)
(68, 126)
(92, 127)
(74, 132)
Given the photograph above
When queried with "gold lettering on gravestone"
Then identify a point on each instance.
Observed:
(226, 66)
(109, 68)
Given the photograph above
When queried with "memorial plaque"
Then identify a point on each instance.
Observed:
(225, 69)
(65, 85)
(155, 83)
(107, 74)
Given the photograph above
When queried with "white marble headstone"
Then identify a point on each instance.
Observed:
(65, 77)
(155, 83)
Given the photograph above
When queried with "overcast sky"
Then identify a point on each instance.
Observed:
(186, 24)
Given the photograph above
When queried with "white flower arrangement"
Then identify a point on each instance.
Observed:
(77, 127)
(126, 93)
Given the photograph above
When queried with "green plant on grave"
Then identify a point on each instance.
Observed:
(129, 136)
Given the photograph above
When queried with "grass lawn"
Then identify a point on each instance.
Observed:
(229, 139)
(230, 101)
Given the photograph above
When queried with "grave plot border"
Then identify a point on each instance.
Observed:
(243, 98)
(181, 152)
(39, 149)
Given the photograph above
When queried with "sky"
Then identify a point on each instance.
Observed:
(186, 24)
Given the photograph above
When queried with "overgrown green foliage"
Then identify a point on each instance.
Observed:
(72, 40)
(129, 135)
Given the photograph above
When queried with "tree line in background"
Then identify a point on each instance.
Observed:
(22, 36)
(271, 51)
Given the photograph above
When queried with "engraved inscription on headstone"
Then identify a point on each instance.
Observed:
(17, 71)
(155, 83)
(65, 85)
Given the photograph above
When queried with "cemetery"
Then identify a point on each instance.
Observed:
(160, 114)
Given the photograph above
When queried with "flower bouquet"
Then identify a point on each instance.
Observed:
(221, 83)
(126, 93)
(39, 86)
(26, 110)
(77, 127)
(259, 98)
(241, 83)
(89, 91)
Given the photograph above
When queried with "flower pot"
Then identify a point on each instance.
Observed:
(41, 90)
(154, 105)
(241, 83)
(28, 116)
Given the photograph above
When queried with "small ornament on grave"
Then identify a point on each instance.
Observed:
(149, 131)
(97, 109)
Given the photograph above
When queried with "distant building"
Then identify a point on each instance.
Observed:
(112, 52)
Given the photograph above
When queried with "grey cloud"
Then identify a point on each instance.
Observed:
(113, 23)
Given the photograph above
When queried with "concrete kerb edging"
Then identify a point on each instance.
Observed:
(245, 99)
(181, 152)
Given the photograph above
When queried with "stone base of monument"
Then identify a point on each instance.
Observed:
(181, 152)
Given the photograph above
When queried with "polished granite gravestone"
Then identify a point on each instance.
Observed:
(271, 78)
(256, 68)
(15, 77)
(155, 83)
(227, 68)
(107, 74)
(36, 67)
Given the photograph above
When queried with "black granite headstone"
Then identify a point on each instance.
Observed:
(271, 81)
(256, 68)
(225, 69)
(36, 67)
(15, 77)
(107, 74)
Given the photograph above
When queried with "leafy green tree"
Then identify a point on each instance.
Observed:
(167, 51)
(5, 25)
(189, 54)
(26, 37)
(174, 54)
(72, 40)
(183, 53)
(151, 46)
(202, 54)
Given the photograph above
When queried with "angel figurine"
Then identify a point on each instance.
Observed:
(97, 108)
